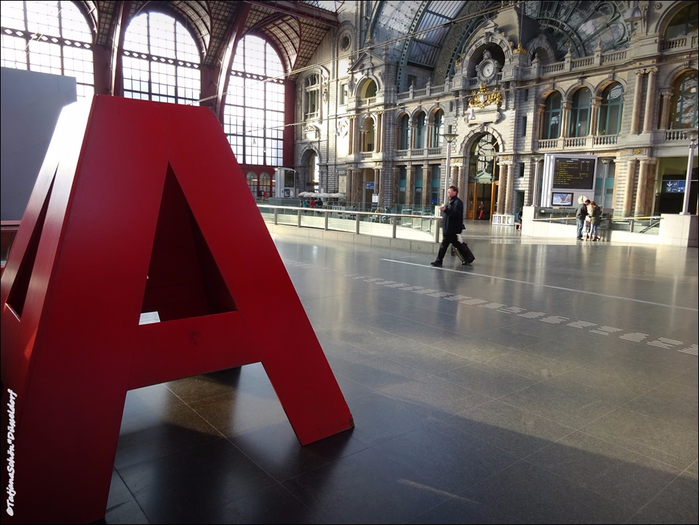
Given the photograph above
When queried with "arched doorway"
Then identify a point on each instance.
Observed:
(483, 178)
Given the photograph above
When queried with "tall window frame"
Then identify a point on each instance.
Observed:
(253, 115)
(580, 113)
(404, 132)
(683, 104)
(311, 96)
(49, 37)
(437, 125)
(611, 110)
(420, 130)
(160, 60)
(552, 116)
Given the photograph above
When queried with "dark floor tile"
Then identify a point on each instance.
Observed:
(437, 456)
(462, 510)
(509, 428)
(278, 452)
(151, 435)
(378, 418)
(185, 486)
(535, 495)
(677, 503)
(273, 504)
(608, 470)
(366, 487)
(471, 349)
(126, 512)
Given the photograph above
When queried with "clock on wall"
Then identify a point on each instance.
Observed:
(487, 70)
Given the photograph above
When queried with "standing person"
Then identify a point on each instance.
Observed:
(452, 225)
(580, 215)
(481, 211)
(595, 219)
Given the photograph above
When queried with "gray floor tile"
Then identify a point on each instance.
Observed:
(563, 406)
(487, 379)
(509, 428)
(647, 436)
(677, 503)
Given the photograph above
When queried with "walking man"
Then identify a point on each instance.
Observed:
(452, 225)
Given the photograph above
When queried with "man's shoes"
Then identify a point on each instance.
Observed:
(468, 263)
(580, 238)
(436, 263)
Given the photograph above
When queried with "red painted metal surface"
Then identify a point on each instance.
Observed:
(139, 207)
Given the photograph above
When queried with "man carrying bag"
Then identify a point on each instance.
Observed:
(452, 226)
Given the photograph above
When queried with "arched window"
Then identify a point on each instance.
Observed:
(419, 130)
(266, 185)
(404, 133)
(609, 122)
(312, 96)
(313, 172)
(369, 89)
(580, 114)
(161, 60)
(48, 37)
(683, 104)
(437, 122)
(552, 117)
(683, 23)
(253, 117)
(251, 178)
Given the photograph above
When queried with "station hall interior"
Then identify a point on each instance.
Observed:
(551, 381)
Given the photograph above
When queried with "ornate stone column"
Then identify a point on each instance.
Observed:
(627, 206)
(594, 117)
(409, 183)
(510, 190)
(537, 180)
(565, 118)
(649, 118)
(636, 112)
(379, 134)
(378, 185)
(502, 189)
(666, 97)
(646, 182)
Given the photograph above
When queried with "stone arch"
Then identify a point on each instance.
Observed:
(542, 49)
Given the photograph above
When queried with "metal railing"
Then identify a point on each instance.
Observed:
(408, 226)
(647, 225)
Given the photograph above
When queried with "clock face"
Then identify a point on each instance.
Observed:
(488, 69)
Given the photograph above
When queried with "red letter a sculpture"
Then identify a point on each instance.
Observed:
(139, 207)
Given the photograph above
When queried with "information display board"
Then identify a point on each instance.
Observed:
(574, 173)
(567, 178)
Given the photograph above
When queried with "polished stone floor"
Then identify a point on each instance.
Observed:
(550, 382)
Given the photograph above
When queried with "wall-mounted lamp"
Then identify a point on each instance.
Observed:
(634, 13)
(471, 114)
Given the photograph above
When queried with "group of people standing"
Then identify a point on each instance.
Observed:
(587, 217)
